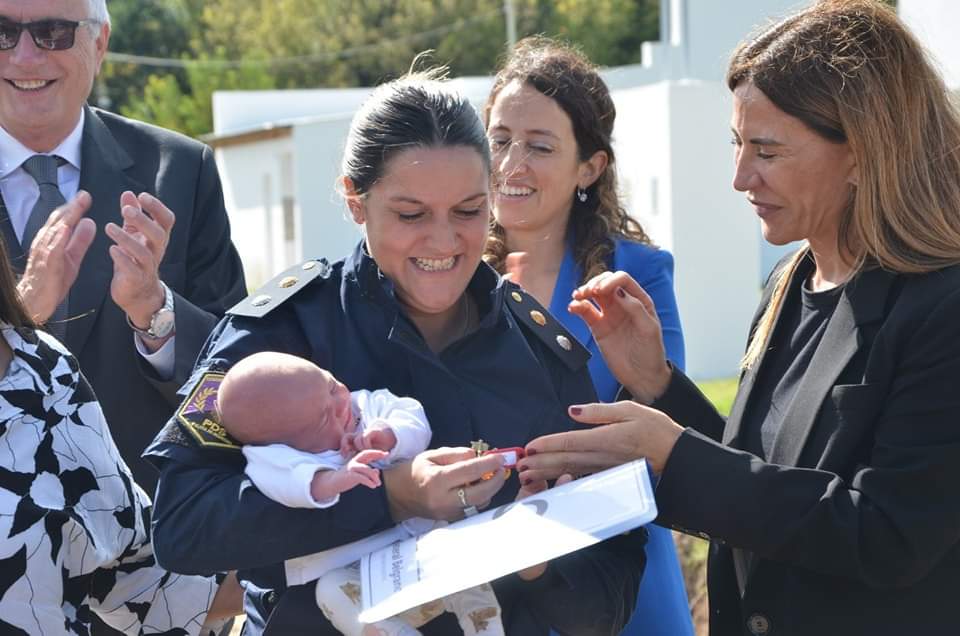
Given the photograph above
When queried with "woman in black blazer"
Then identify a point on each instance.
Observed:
(831, 494)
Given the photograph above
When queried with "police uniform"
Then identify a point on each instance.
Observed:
(509, 381)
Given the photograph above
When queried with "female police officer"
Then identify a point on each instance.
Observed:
(414, 310)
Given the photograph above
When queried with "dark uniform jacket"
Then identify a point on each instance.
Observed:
(854, 521)
(508, 382)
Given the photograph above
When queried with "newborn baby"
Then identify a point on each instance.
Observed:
(307, 439)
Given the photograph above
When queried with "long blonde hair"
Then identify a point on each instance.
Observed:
(852, 72)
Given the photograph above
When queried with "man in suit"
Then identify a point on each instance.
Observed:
(136, 269)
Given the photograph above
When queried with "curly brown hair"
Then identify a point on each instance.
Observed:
(564, 74)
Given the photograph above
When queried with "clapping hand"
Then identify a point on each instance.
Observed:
(55, 256)
(139, 247)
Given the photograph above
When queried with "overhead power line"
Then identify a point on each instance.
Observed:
(167, 62)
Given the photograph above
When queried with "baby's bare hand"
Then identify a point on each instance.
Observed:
(360, 470)
(382, 439)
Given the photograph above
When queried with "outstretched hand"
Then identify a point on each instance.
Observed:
(622, 432)
(625, 325)
(55, 256)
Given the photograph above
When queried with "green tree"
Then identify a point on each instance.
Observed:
(165, 102)
(336, 43)
(158, 28)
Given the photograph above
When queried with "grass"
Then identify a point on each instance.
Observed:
(720, 393)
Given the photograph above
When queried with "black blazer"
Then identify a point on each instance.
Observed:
(854, 521)
(201, 267)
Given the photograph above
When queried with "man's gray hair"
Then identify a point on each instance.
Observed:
(98, 11)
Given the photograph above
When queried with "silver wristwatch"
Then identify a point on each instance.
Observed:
(162, 321)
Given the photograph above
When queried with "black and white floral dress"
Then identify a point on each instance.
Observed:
(74, 527)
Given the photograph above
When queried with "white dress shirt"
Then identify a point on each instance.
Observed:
(20, 193)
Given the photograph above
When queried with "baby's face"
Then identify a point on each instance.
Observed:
(331, 420)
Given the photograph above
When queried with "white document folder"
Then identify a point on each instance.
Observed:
(416, 570)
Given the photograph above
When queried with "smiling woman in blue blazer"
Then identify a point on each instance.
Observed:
(558, 222)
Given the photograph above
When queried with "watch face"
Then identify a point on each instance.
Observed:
(162, 323)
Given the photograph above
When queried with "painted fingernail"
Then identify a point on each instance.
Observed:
(526, 482)
(621, 293)
(575, 410)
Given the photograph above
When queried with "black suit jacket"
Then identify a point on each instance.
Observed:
(854, 520)
(200, 266)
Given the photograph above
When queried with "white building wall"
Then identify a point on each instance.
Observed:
(675, 166)
(326, 229)
(241, 110)
(716, 239)
(935, 22)
(253, 186)
(643, 149)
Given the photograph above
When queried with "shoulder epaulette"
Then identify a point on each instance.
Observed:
(547, 328)
(283, 287)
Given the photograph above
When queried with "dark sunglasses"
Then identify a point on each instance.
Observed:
(50, 35)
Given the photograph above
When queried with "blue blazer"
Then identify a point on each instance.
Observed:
(662, 607)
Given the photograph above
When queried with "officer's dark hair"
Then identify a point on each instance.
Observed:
(12, 311)
(418, 110)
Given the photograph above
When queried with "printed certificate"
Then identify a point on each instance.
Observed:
(413, 571)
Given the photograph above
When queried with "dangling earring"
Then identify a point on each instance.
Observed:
(581, 194)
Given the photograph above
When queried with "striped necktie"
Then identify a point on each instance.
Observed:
(43, 169)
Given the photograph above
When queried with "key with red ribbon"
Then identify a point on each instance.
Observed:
(510, 455)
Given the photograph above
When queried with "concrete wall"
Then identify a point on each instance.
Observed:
(935, 23)
(326, 229)
(676, 168)
(256, 178)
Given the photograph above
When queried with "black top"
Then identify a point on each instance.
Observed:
(803, 320)
(852, 528)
